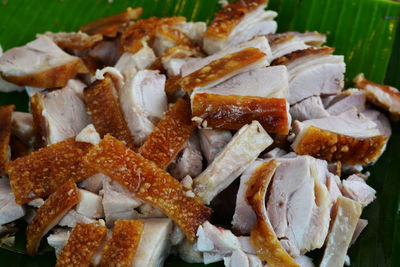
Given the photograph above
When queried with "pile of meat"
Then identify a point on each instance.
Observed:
(144, 133)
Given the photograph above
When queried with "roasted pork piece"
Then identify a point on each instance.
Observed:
(237, 23)
(5, 133)
(40, 63)
(9, 209)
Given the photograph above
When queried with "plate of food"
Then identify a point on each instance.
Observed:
(191, 133)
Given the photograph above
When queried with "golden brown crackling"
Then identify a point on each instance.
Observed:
(222, 67)
(170, 134)
(148, 182)
(331, 146)
(262, 236)
(157, 65)
(146, 30)
(311, 51)
(231, 112)
(74, 40)
(183, 51)
(362, 83)
(53, 209)
(39, 122)
(121, 249)
(5, 133)
(57, 76)
(277, 39)
(84, 241)
(42, 172)
(111, 26)
(102, 102)
(226, 19)
(172, 87)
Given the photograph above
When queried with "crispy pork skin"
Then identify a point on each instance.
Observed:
(40, 63)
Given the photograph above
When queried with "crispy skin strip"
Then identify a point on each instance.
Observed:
(337, 147)
(345, 216)
(220, 68)
(57, 76)
(230, 16)
(149, 183)
(384, 96)
(5, 133)
(102, 102)
(50, 213)
(121, 249)
(83, 242)
(39, 123)
(74, 40)
(232, 112)
(135, 34)
(110, 26)
(311, 51)
(170, 135)
(42, 172)
(263, 237)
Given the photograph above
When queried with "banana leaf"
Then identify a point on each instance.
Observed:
(362, 30)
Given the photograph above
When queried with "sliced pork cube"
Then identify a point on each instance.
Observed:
(238, 22)
(333, 184)
(22, 127)
(259, 42)
(213, 141)
(355, 188)
(154, 244)
(384, 96)
(284, 44)
(299, 205)
(349, 137)
(129, 63)
(194, 30)
(9, 209)
(40, 63)
(58, 240)
(104, 53)
(313, 72)
(94, 183)
(90, 205)
(345, 101)
(73, 40)
(309, 108)
(231, 112)
(189, 160)
(224, 68)
(243, 149)
(72, 217)
(381, 121)
(269, 82)
(59, 114)
(346, 216)
(143, 102)
(244, 217)
(88, 135)
(174, 58)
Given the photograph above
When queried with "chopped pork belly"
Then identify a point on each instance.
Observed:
(349, 137)
(93, 183)
(143, 102)
(193, 65)
(40, 63)
(22, 127)
(72, 217)
(59, 114)
(299, 209)
(269, 82)
(224, 68)
(243, 149)
(104, 53)
(73, 40)
(154, 244)
(88, 135)
(5, 133)
(309, 108)
(238, 22)
(382, 122)
(50, 213)
(58, 240)
(173, 59)
(346, 216)
(9, 209)
(82, 244)
(345, 101)
(111, 25)
(355, 188)
(384, 96)
(314, 69)
(189, 160)
(213, 141)
(90, 205)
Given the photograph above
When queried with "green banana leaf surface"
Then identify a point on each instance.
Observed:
(367, 32)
